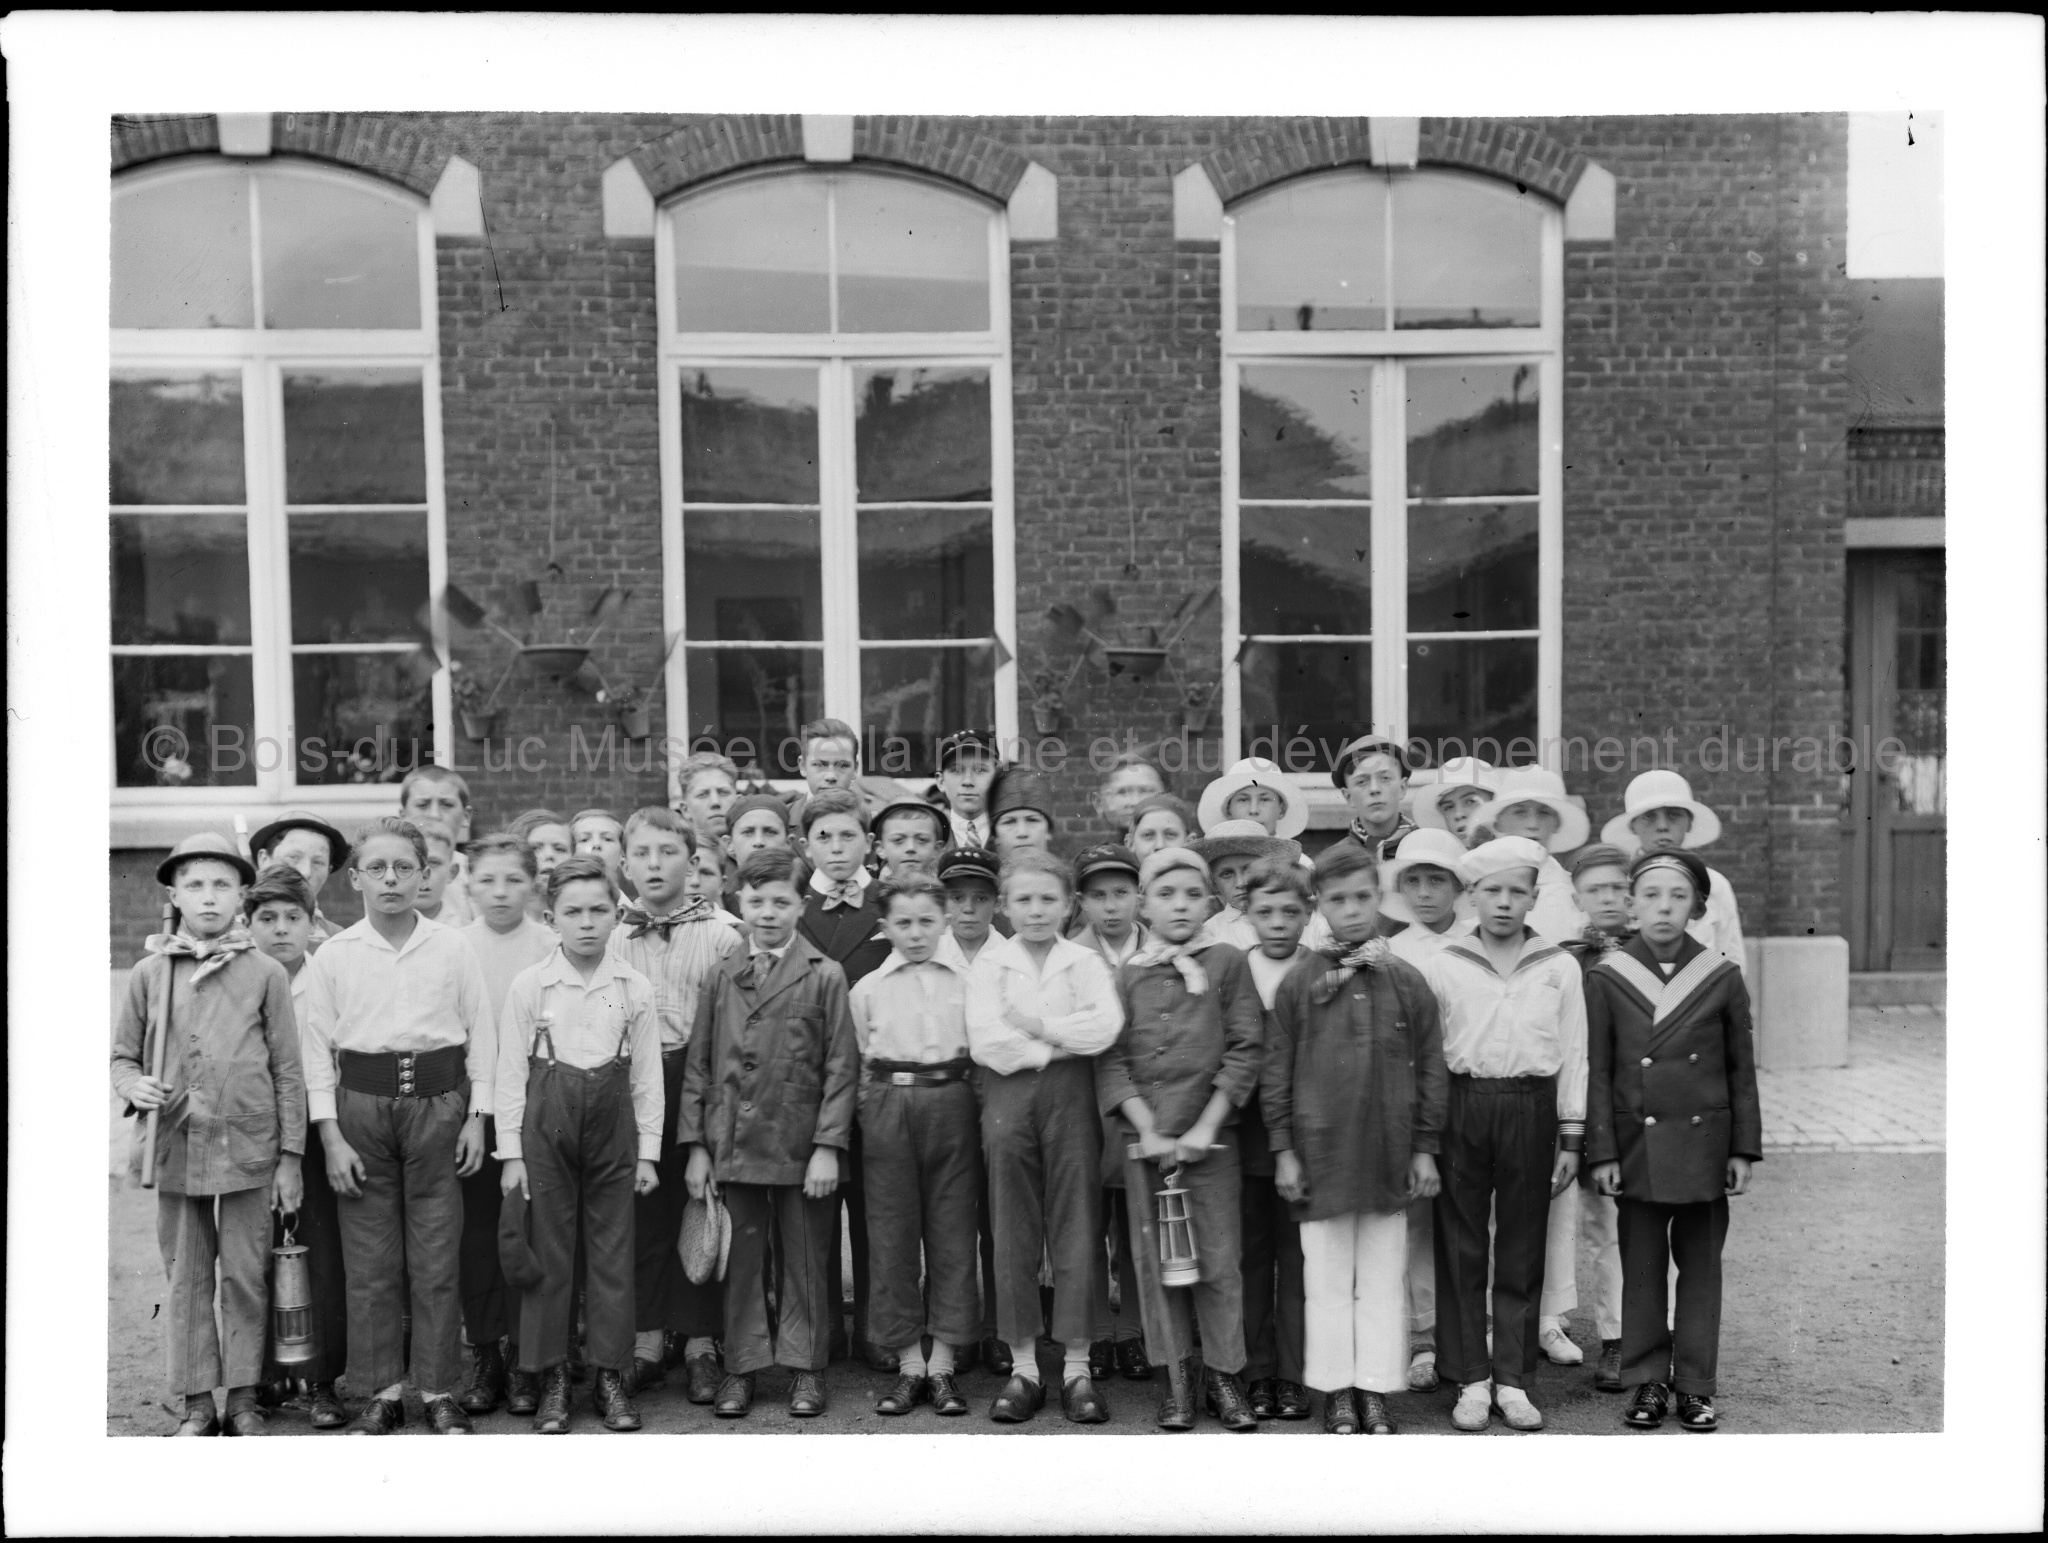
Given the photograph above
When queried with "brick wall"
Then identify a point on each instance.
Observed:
(1704, 415)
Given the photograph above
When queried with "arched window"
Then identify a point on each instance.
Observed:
(1392, 459)
(836, 464)
(275, 477)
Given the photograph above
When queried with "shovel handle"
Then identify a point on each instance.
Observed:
(161, 1032)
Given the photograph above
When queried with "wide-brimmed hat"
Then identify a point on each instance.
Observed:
(1241, 838)
(704, 1240)
(303, 819)
(1019, 787)
(1661, 790)
(1537, 785)
(1255, 772)
(982, 740)
(1499, 855)
(1465, 771)
(206, 844)
(1426, 847)
(1364, 745)
(1110, 857)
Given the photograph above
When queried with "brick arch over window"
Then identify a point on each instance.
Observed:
(381, 144)
(1513, 151)
(712, 146)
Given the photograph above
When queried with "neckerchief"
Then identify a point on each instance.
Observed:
(1377, 845)
(1180, 956)
(644, 921)
(1372, 954)
(847, 892)
(1606, 942)
(212, 955)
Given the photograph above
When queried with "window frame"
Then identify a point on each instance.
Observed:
(1387, 354)
(836, 356)
(262, 357)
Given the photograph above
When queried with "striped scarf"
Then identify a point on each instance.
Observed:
(212, 953)
(1372, 954)
(644, 921)
(1180, 955)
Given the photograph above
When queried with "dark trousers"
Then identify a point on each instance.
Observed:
(1127, 1322)
(405, 1228)
(486, 1304)
(1652, 1236)
(854, 1196)
(802, 1232)
(663, 1297)
(318, 1228)
(1498, 1146)
(985, 1240)
(1044, 1142)
(922, 1165)
(1217, 1298)
(579, 1142)
(1275, 1306)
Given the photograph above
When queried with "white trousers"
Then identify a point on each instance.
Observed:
(1353, 1270)
(1574, 1212)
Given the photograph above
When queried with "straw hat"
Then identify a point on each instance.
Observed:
(1537, 785)
(1255, 772)
(1241, 838)
(705, 1240)
(1661, 790)
(1464, 772)
(1424, 848)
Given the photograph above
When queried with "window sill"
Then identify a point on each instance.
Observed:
(140, 818)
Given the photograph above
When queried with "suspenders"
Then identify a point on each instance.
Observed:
(543, 1029)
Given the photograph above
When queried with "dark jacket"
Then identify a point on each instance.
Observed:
(1671, 1073)
(1354, 1084)
(1176, 1049)
(771, 1069)
(850, 937)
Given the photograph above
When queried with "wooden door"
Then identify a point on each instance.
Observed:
(1896, 907)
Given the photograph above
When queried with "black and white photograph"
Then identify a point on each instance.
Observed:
(1038, 765)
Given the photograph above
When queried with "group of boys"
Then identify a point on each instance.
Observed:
(1192, 1108)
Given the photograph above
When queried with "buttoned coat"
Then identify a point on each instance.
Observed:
(850, 936)
(1671, 1085)
(1177, 1048)
(771, 1069)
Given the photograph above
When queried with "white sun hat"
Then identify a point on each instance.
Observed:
(1255, 772)
(1661, 790)
(1499, 855)
(1465, 771)
(1427, 847)
(1537, 785)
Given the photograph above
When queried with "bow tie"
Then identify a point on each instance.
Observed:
(212, 955)
(1181, 957)
(845, 893)
(643, 921)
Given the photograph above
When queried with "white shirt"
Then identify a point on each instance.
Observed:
(504, 954)
(1268, 972)
(912, 1012)
(1115, 955)
(1530, 1024)
(820, 885)
(1074, 996)
(1418, 945)
(1556, 915)
(364, 995)
(1721, 927)
(1229, 925)
(589, 1023)
(969, 832)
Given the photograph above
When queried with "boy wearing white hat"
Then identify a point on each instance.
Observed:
(1530, 801)
(1514, 1037)
(1659, 814)
(1255, 789)
(1462, 787)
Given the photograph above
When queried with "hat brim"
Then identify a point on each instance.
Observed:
(1217, 795)
(1092, 869)
(1215, 848)
(1706, 825)
(337, 843)
(1392, 869)
(1421, 802)
(168, 868)
(1573, 825)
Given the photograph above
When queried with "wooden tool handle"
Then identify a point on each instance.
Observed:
(160, 1032)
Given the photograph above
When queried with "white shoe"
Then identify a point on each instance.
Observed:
(1422, 1372)
(1475, 1401)
(1557, 1344)
(1515, 1408)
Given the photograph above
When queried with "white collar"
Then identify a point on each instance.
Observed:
(755, 950)
(823, 886)
(1009, 954)
(954, 960)
(556, 970)
(362, 931)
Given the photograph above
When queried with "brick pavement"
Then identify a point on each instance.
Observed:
(1891, 1097)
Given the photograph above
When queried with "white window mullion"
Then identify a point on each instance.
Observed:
(1389, 549)
(1231, 607)
(1003, 490)
(839, 543)
(269, 567)
(1550, 553)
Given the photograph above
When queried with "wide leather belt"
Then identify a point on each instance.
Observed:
(404, 1073)
(919, 1074)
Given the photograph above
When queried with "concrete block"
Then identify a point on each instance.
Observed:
(1395, 141)
(243, 133)
(1801, 993)
(628, 206)
(1197, 211)
(1035, 206)
(458, 203)
(828, 136)
(1589, 212)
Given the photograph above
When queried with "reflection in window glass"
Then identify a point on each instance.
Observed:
(911, 258)
(752, 575)
(181, 252)
(1463, 690)
(1467, 253)
(351, 702)
(1305, 570)
(913, 698)
(175, 437)
(1472, 430)
(1304, 431)
(762, 695)
(337, 254)
(921, 435)
(354, 437)
(750, 436)
(1311, 256)
(752, 258)
(357, 578)
(1472, 567)
(927, 573)
(194, 695)
(1322, 690)
(180, 578)
(1919, 780)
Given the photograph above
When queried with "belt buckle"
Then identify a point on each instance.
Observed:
(903, 1079)
(404, 1073)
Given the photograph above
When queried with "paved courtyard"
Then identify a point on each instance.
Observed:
(1891, 1097)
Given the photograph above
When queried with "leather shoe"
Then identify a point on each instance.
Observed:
(1177, 1404)
(1422, 1377)
(201, 1419)
(908, 1393)
(1021, 1398)
(614, 1405)
(966, 1357)
(1696, 1412)
(806, 1395)
(947, 1398)
(735, 1395)
(486, 1386)
(1264, 1398)
(379, 1417)
(1340, 1413)
(1290, 1400)
(1082, 1404)
(874, 1357)
(1647, 1409)
(551, 1418)
(1374, 1418)
(522, 1391)
(705, 1375)
(447, 1418)
(1131, 1360)
(328, 1413)
(1607, 1369)
(647, 1374)
(245, 1420)
(995, 1355)
(1226, 1400)
(1102, 1360)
